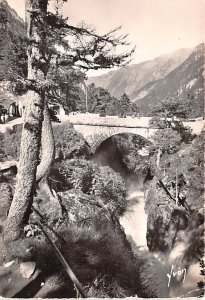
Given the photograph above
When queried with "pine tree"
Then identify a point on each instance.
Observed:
(47, 34)
(124, 105)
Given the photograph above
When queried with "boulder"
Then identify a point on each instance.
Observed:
(27, 269)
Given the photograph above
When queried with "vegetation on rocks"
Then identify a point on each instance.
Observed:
(92, 200)
(172, 207)
(10, 143)
(100, 183)
(68, 142)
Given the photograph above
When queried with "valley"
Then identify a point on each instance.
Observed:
(101, 178)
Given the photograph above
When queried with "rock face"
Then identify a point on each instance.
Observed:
(158, 207)
(182, 174)
(169, 225)
(69, 143)
(19, 280)
(15, 22)
(27, 269)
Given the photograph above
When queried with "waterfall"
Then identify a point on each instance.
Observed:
(134, 221)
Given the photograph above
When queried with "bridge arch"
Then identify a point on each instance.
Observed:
(144, 141)
(95, 135)
(116, 151)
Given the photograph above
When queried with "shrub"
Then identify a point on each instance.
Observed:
(101, 182)
(11, 142)
(97, 254)
(69, 143)
(6, 198)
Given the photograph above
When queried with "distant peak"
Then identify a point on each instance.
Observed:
(200, 47)
(4, 2)
(9, 9)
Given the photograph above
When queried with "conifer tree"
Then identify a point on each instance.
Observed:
(124, 105)
(54, 48)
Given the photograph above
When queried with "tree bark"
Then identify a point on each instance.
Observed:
(28, 161)
(46, 161)
(47, 146)
(31, 134)
(158, 157)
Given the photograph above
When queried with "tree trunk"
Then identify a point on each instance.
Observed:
(47, 149)
(43, 169)
(50, 206)
(47, 146)
(31, 134)
(29, 155)
(158, 157)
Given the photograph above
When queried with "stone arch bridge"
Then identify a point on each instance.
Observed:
(96, 129)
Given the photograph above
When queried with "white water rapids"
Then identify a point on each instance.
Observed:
(134, 221)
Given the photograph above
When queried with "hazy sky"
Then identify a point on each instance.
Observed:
(154, 26)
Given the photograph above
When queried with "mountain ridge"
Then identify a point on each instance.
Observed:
(177, 74)
(135, 76)
(185, 80)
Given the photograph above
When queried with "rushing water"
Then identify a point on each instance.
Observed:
(134, 221)
(170, 275)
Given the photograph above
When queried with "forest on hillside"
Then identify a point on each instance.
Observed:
(62, 204)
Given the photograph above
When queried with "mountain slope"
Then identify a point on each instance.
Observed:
(186, 79)
(13, 21)
(12, 43)
(133, 77)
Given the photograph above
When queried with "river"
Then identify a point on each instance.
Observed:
(167, 274)
(134, 221)
(163, 266)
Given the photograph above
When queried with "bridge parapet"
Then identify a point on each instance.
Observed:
(95, 119)
(112, 121)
